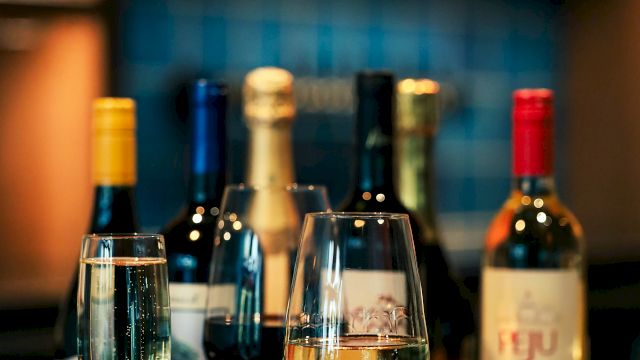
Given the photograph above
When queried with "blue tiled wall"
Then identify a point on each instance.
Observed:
(481, 50)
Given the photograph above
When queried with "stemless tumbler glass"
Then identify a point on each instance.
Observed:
(123, 298)
(356, 291)
(254, 253)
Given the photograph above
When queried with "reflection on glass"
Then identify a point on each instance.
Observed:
(252, 264)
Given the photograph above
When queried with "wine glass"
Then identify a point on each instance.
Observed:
(254, 252)
(123, 298)
(356, 292)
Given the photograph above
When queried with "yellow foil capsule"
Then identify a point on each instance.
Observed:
(114, 142)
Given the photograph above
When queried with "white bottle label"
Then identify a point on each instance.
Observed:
(375, 301)
(188, 305)
(532, 314)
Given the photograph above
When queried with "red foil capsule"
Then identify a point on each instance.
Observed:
(532, 132)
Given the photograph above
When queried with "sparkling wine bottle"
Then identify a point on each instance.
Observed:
(189, 237)
(533, 285)
(449, 311)
(114, 178)
(272, 216)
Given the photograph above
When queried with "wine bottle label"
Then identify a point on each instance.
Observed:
(532, 314)
(376, 301)
(222, 300)
(188, 305)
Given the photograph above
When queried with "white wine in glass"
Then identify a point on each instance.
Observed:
(123, 299)
(356, 291)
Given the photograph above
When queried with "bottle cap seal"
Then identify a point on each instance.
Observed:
(114, 145)
(114, 113)
(532, 132)
(417, 106)
(268, 95)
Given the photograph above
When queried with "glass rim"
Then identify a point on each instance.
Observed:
(122, 236)
(357, 215)
(295, 187)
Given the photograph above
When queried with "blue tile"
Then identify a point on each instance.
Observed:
(350, 50)
(456, 195)
(301, 12)
(444, 53)
(214, 43)
(299, 48)
(271, 43)
(490, 19)
(491, 124)
(488, 54)
(375, 54)
(401, 52)
(325, 49)
(246, 52)
(447, 17)
(531, 55)
(149, 30)
(491, 193)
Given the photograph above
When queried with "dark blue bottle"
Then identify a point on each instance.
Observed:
(189, 237)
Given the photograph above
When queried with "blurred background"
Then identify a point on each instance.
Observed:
(57, 55)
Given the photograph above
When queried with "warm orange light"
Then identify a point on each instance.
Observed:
(45, 135)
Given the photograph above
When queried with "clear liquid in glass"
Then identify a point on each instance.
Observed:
(123, 310)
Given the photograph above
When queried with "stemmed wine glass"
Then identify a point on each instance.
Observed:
(356, 292)
(251, 268)
(123, 298)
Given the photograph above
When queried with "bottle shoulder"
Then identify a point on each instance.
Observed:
(518, 205)
(534, 231)
(373, 201)
(192, 226)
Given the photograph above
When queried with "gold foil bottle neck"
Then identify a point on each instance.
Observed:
(114, 142)
(417, 105)
(268, 95)
(114, 114)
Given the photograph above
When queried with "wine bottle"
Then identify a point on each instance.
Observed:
(533, 285)
(269, 112)
(272, 215)
(114, 178)
(448, 314)
(189, 237)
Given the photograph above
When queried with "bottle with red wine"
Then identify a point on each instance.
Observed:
(261, 281)
(189, 237)
(114, 178)
(533, 283)
(448, 313)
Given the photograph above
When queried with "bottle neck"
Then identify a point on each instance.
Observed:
(374, 154)
(113, 209)
(270, 156)
(543, 185)
(415, 174)
(208, 157)
(206, 188)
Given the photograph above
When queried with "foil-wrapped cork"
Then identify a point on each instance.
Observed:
(268, 95)
(417, 105)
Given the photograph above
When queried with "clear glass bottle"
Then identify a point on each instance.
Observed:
(533, 284)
